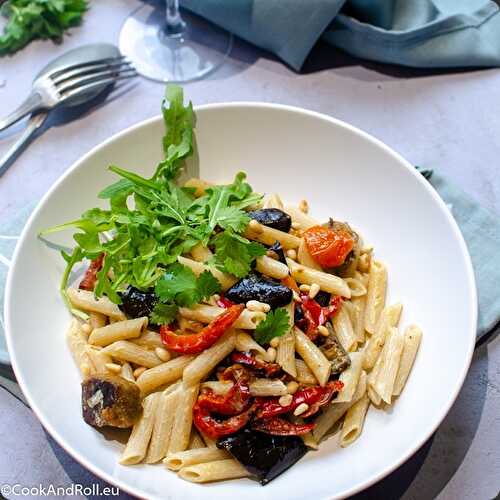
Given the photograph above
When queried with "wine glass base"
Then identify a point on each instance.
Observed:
(199, 50)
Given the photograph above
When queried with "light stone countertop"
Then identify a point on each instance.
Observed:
(447, 120)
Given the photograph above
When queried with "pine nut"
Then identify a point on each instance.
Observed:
(113, 368)
(304, 288)
(323, 330)
(255, 305)
(255, 226)
(314, 290)
(292, 254)
(86, 328)
(271, 355)
(275, 342)
(296, 297)
(302, 408)
(163, 354)
(292, 387)
(295, 225)
(304, 206)
(285, 400)
(139, 371)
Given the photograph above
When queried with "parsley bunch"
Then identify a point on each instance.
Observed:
(150, 222)
(30, 19)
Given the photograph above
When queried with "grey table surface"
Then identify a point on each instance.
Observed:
(448, 120)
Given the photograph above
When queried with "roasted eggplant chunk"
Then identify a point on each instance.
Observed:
(110, 400)
(335, 353)
(256, 288)
(272, 217)
(136, 303)
(264, 456)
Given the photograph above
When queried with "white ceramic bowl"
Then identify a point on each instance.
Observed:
(344, 173)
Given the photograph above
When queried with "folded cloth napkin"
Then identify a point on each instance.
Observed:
(421, 33)
(481, 230)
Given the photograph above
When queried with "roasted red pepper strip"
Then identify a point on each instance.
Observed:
(315, 315)
(235, 401)
(280, 427)
(270, 369)
(224, 303)
(90, 277)
(290, 282)
(313, 396)
(215, 429)
(197, 342)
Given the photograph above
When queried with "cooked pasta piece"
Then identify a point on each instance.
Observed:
(327, 282)
(127, 372)
(330, 416)
(350, 378)
(195, 441)
(201, 253)
(271, 267)
(163, 374)
(269, 236)
(97, 320)
(163, 424)
(273, 201)
(412, 338)
(213, 471)
(137, 445)
(391, 357)
(304, 374)
(127, 351)
(285, 355)
(211, 443)
(344, 331)
(78, 346)
(303, 220)
(85, 300)
(314, 358)
(353, 421)
(388, 318)
(375, 296)
(226, 280)
(267, 387)
(121, 330)
(207, 360)
(356, 286)
(203, 313)
(176, 461)
(357, 313)
(99, 360)
(246, 343)
(183, 419)
(149, 339)
(220, 387)
(304, 257)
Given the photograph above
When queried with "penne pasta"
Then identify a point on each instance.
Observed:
(206, 361)
(181, 430)
(246, 343)
(350, 378)
(330, 416)
(267, 387)
(98, 359)
(163, 374)
(78, 347)
(344, 331)
(357, 314)
(303, 220)
(176, 461)
(211, 443)
(412, 339)
(327, 282)
(375, 295)
(203, 313)
(201, 253)
(162, 427)
(273, 201)
(304, 374)
(269, 236)
(226, 280)
(388, 318)
(127, 351)
(285, 355)
(136, 447)
(127, 372)
(97, 320)
(391, 357)
(121, 330)
(213, 471)
(356, 286)
(85, 300)
(271, 267)
(149, 339)
(314, 358)
(353, 421)
(195, 441)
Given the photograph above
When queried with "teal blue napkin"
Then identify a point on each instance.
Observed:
(420, 33)
(481, 230)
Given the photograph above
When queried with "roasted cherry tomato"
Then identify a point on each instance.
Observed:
(315, 315)
(197, 342)
(90, 277)
(280, 427)
(328, 247)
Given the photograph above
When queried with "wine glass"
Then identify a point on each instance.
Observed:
(173, 48)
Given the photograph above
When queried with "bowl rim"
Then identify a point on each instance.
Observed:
(468, 274)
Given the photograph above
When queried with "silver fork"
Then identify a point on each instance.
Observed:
(58, 87)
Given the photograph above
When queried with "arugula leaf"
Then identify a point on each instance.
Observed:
(31, 19)
(163, 314)
(121, 187)
(276, 324)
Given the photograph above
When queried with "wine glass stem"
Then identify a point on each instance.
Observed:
(175, 25)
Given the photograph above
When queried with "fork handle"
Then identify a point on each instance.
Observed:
(34, 124)
(31, 104)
